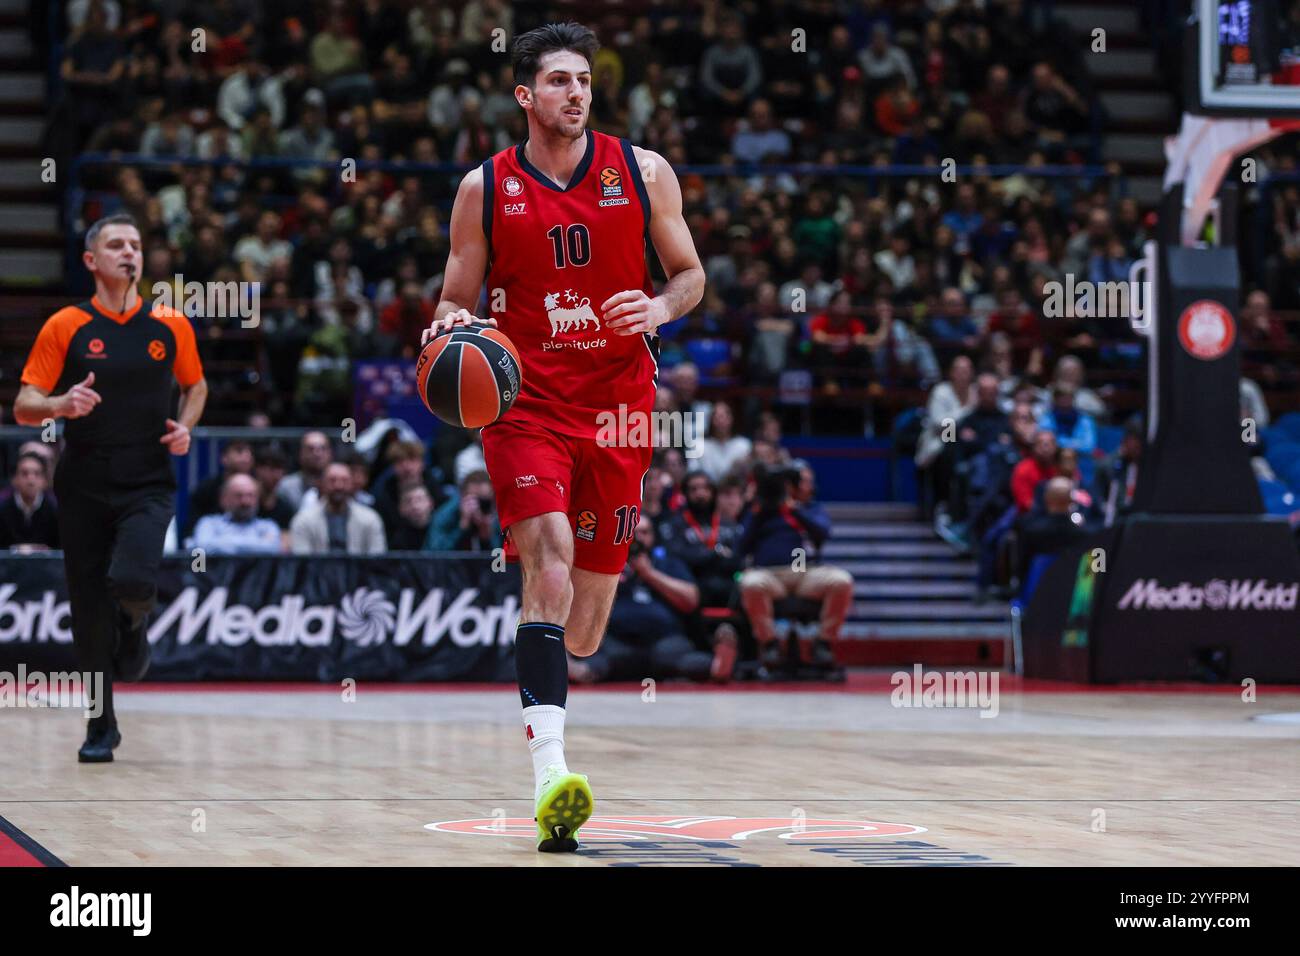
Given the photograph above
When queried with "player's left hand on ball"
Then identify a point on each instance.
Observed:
(177, 438)
(461, 317)
(632, 312)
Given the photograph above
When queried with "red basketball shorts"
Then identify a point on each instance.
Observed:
(535, 470)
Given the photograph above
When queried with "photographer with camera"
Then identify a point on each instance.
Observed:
(784, 534)
(467, 523)
(646, 634)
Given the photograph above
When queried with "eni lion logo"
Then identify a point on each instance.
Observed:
(569, 313)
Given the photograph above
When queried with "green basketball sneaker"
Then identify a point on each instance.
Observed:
(564, 803)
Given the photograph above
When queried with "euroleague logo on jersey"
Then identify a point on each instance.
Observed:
(96, 347)
(611, 185)
(611, 182)
(157, 351)
(1206, 330)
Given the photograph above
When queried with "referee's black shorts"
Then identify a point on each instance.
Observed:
(115, 502)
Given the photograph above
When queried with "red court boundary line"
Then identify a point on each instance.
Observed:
(854, 683)
(18, 849)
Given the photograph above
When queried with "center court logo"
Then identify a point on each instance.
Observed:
(601, 828)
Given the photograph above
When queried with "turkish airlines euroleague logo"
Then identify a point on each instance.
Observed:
(157, 351)
(1206, 330)
(96, 347)
(687, 828)
(611, 181)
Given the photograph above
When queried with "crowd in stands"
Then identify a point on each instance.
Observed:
(870, 283)
(873, 286)
(729, 526)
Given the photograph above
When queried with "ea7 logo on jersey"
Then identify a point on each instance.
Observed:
(515, 208)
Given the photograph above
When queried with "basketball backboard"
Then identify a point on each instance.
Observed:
(1244, 58)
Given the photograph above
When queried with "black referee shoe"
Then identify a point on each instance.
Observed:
(131, 659)
(101, 737)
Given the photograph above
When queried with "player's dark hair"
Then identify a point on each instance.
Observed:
(529, 48)
(117, 219)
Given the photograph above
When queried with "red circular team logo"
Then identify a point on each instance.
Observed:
(1206, 330)
(511, 186)
(96, 346)
(157, 351)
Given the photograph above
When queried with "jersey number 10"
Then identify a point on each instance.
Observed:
(572, 245)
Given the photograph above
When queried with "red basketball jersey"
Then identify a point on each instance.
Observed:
(555, 255)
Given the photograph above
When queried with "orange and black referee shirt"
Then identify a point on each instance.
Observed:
(134, 354)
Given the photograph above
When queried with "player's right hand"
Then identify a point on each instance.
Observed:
(459, 318)
(81, 399)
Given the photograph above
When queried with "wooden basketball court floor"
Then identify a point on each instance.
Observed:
(405, 775)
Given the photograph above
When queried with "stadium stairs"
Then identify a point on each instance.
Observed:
(1140, 112)
(31, 250)
(914, 597)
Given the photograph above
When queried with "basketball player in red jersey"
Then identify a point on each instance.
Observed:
(558, 226)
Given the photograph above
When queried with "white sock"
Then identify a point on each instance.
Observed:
(545, 726)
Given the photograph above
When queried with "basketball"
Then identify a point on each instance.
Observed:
(469, 377)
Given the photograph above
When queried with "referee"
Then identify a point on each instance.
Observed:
(107, 367)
